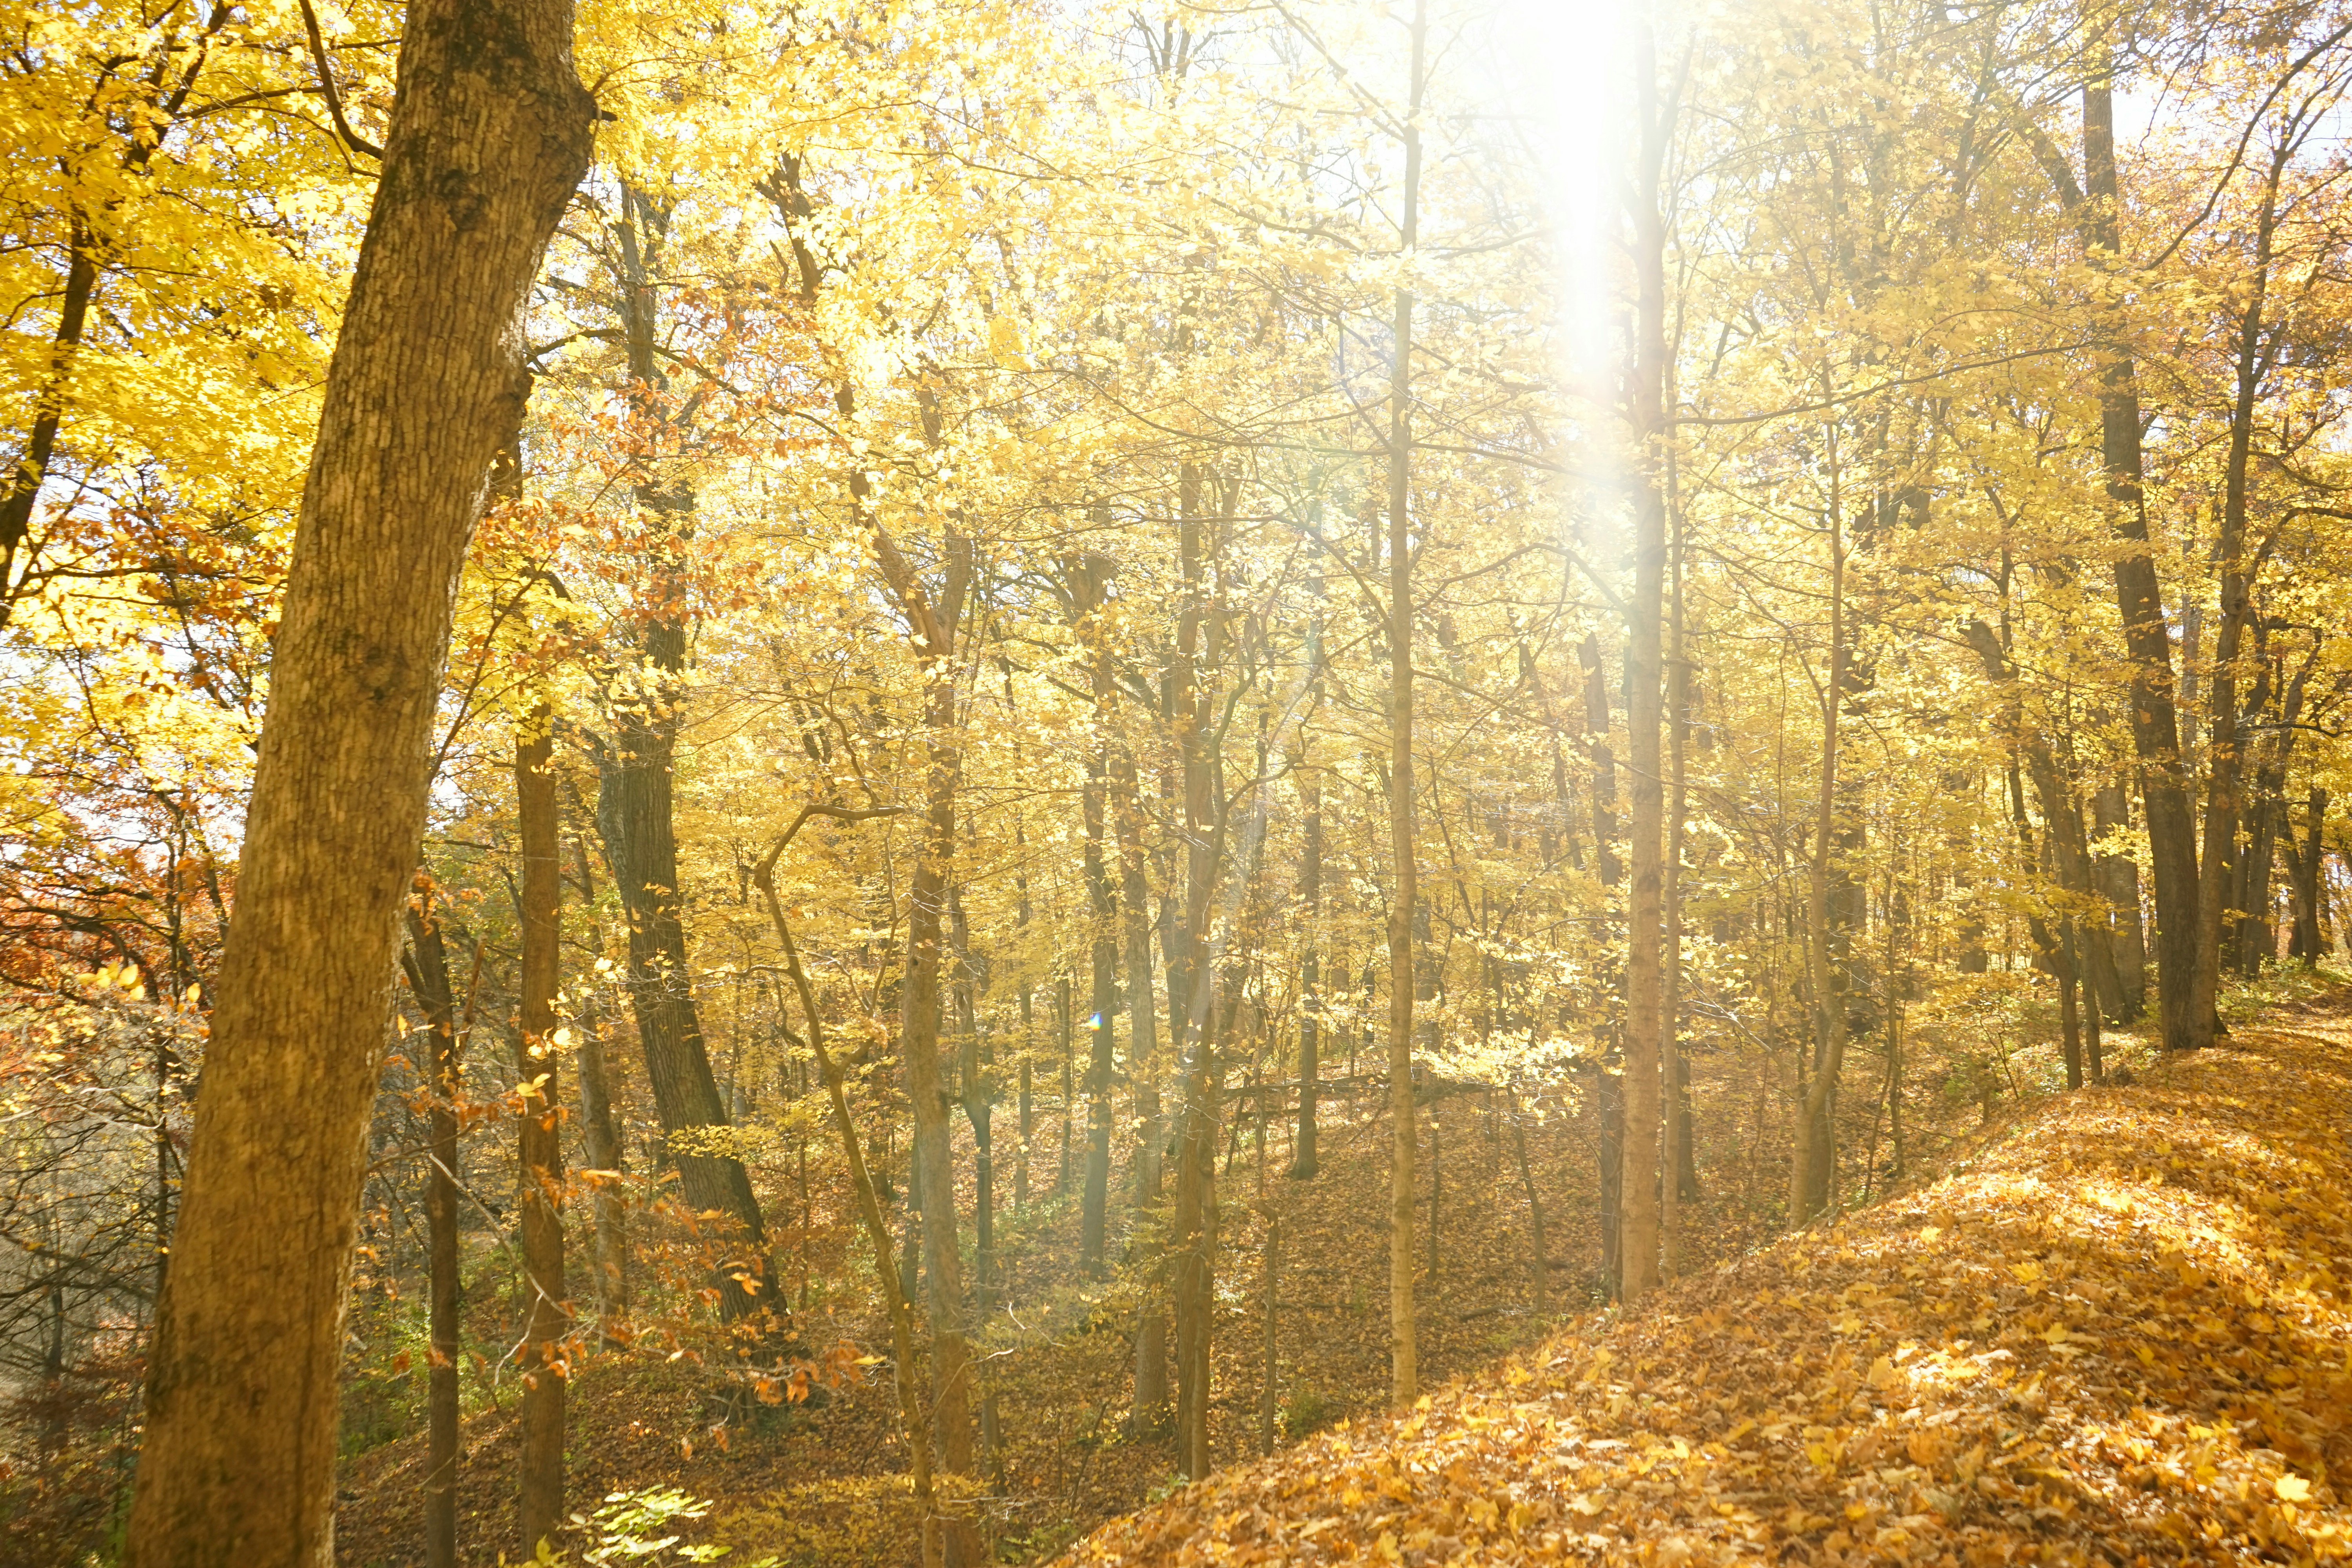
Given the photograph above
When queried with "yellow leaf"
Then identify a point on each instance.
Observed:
(2027, 1273)
(1004, 343)
(2291, 1489)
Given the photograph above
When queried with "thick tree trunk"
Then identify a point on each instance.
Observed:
(2156, 738)
(540, 1145)
(490, 135)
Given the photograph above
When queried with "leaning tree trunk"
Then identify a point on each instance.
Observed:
(636, 816)
(2156, 738)
(490, 135)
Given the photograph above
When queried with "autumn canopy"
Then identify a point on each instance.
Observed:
(881, 782)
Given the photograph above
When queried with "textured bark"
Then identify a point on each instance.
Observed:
(2156, 737)
(490, 135)
(539, 1141)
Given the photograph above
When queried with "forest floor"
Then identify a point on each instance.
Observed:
(2087, 1330)
(2117, 1330)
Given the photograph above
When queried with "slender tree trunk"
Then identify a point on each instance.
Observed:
(1151, 1395)
(1681, 1176)
(894, 1295)
(540, 1152)
(1538, 1261)
(2224, 760)
(602, 1133)
(488, 137)
(427, 964)
(2308, 863)
(1404, 1379)
(1269, 1349)
(1808, 1181)
(1062, 1024)
(1303, 1155)
(40, 443)
(1646, 1019)
(918, 1036)
(1086, 587)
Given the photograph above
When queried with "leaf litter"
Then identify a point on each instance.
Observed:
(2117, 1332)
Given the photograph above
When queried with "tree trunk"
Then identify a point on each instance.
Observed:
(1303, 1153)
(2117, 881)
(540, 1148)
(1646, 1019)
(895, 1297)
(601, 1130)
(918, 1038)
(1812, 1168)
(1404, 1379)
(636, 816)
(40, 443)
(1087, 589)
(427, 964)
(1150, 1402)
(2156, 739)
(2224, 763)
(2308, 941)
(490, 135)
(1538, 1261)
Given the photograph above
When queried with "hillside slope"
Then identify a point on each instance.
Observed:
(2121, 1332)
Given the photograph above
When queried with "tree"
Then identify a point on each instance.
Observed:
(487, 142)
